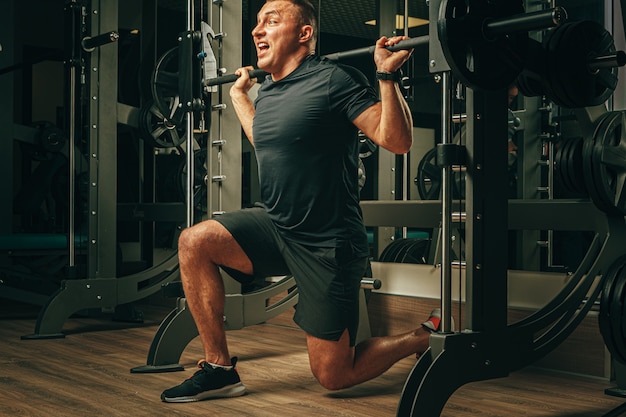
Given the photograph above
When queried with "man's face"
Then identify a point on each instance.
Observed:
(276, 35)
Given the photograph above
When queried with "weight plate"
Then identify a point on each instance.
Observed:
(481, 62)
(156, 129)
(605, 317)
(570, 48)
(366, 146)
(588, 166)
(199, 181)
(575, 171)
(412, 250)
(563, 165)
(617, 310)
(164, 84)
(609, 162)
(570, 165)
(428, 178)
(530, 79)
(552, 84)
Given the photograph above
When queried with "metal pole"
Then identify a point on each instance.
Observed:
(189, 145)
(405, 157)
(71, 141)
(446, 210)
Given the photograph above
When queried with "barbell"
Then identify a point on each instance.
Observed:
(493, 35)
(337, 56)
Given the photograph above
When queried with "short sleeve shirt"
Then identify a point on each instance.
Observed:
(307, 152)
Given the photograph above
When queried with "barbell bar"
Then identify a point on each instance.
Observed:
(258, 73)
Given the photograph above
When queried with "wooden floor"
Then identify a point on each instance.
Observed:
(87, 373)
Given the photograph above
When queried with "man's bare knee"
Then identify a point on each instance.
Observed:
(330, 379)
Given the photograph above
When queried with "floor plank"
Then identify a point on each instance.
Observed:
(87, 373)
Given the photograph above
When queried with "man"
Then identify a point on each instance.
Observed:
(303, 126)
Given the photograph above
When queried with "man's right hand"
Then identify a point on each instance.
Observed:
(244, 83)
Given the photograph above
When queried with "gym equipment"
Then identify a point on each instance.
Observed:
(490, 347)
(157, 128)
(604, 163)
(612, 316)
(428, 179)
(502, 39)
(88, 277)
(568, 165)
(409, 250)
(580, 54)
(337, 56)
(200, 181)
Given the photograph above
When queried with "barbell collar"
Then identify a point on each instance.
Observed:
(337, 56)
(525, 22)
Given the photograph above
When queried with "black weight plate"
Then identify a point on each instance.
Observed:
(157, 130)
(481, 63)
(390, 253)
(617, 310)
(567, 167)
(596, 41)
(560, 168)
(571, 165)
(415, 252)
(575, 170)
(558, 158)
(428, 178)
(565, 53)
(199, 180)
(588, 166)
(164, 85)
(606, 298)
(582, 87)
(555, 89)
(610, 161)
(549, 40)
(602, 186)
(530, 80)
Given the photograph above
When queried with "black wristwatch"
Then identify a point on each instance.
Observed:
(395, 76)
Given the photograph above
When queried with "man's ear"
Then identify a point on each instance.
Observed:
(306, 33)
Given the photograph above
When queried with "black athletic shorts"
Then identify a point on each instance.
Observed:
(328, 279)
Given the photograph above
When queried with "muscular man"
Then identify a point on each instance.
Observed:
(303, 126)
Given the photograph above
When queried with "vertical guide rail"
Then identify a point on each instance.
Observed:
(405, 157)
(74, 59)
(189, 180)
(446, 210)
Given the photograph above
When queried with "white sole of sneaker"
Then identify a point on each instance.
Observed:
(235, 390)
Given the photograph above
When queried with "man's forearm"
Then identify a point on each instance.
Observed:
(244, 108)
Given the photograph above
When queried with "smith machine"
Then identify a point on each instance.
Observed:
(483, 44)
(486, 46)
(90, 278)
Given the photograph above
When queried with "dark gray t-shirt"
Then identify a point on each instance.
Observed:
(307, 152)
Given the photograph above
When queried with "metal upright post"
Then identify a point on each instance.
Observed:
(190, 142)
(446, 210)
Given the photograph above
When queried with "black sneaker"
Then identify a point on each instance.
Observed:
(207, 383)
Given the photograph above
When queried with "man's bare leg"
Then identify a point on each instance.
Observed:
(201, 249)
(338, 365)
